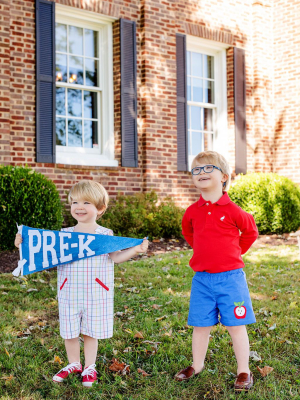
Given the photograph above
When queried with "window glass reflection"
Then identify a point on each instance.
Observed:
(61, 131)
(76, 70)
(61, 37)
(75, 133)
(75, 102)
(90, 43)
(90, 104)
(61, 68)
(75, 40)
(60, 101)
(91, 72)
(90, 134)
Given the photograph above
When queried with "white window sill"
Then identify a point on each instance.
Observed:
(92, 160)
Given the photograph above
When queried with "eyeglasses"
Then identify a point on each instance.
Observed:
(207, 169)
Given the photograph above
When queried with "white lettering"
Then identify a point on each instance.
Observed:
(84, 246)
(64, 246)
(49, 247)
(33, 249)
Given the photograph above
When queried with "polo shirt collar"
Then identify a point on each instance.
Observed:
(221, 202)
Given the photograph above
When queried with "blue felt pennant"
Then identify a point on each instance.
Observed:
(43, 249)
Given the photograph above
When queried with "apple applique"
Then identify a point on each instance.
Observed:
(240, 310)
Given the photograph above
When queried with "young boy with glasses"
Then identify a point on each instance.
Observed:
(219, 232)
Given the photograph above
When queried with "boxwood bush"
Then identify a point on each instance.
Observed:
(29, 198)
(143, 215)
(273, 200)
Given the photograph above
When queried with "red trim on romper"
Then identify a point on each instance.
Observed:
(63, 283)
(102, 284)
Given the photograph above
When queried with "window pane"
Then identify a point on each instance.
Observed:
(197, 90)
(74, 102)
(91, 134)
(75, 40)
(90, 104)
(76, 70)
(189, 89)
(75, 133)
(208, 125)
(208, 63)
(91, 43)
(91, 71)
(209, 92)
(195, 143)
(188, 63)
(61, 68)
(196, 120)
(60, 101)
(61, 37)
(208, 141)
(197, 65)
(61, 131)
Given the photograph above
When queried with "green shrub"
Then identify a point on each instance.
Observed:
(141, 215)
(273, 200)
(28, 198)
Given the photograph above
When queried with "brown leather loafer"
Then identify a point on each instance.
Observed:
(186, 374)
(243, 382)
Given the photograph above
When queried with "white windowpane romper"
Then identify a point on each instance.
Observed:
(85, 295)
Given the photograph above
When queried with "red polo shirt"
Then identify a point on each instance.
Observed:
(219, 234)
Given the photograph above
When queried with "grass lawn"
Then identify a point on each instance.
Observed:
(152, 297)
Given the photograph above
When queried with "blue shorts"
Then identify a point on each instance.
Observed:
(222, 297)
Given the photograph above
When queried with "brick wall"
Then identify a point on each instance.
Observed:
(271, 65)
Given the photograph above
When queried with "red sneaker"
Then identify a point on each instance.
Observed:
(72, 368)
(89, 375)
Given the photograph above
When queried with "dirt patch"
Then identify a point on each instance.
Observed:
(9, 259)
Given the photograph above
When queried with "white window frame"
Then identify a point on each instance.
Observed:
(218, 51)
(105, 155)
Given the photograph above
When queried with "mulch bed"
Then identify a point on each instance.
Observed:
(9, 259)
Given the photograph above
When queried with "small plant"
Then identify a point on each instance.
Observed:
(273, 200)
(29, 198)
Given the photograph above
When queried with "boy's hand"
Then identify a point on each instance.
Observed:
(18, 240)
(142, 248)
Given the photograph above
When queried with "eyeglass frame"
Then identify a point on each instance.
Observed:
(202, 168)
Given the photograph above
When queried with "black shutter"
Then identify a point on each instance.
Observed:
(45, 81)
(240, 111)
(128, 94)
(182, 156)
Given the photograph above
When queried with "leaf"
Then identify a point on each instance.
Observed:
(236, 304)
(128, 331)
(6, 352)
(127, 350)
(152, 298)
(161, 318)
(141, 371)
(272, 327)
(254, 356)
(120, 368)
(57, 360)
(274, 298)
(293, 304)
(32, 290)
(7, 378)
(156, 306)
(42, 342)
(266, 370)
(242, 303)
(139, 335)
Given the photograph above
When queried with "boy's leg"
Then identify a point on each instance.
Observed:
(199, 346)
(73, 350)
(90, 350)
(240, 343)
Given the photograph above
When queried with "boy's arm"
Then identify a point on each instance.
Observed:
(248, 228)
(125, 255)
(187, 229)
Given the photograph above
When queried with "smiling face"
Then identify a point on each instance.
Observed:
(84, 211)
(208, 182)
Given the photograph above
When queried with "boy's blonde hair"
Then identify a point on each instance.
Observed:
(90, 191)
(214, 158)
